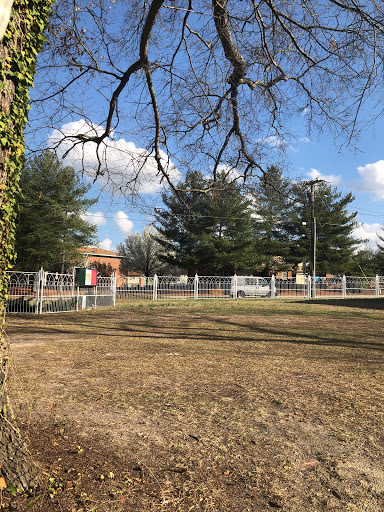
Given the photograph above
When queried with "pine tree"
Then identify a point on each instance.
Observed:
(209, 232)
(334, 226)
(365, 261)
(50, 227)
(272, 208)
(378, 258)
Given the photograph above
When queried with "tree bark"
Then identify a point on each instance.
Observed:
(18, 50)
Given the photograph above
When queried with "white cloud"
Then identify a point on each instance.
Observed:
(232, 173)
(106, 244)
(368, 232)
(122, 221)
(123, 166)
(373, 178)
(281, 144)
(314, 174)
(275, 142)
(97, 218)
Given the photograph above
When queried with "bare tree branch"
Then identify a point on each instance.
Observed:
(207, 83)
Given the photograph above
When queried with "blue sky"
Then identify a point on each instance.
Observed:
(360, 171)
(306, 157)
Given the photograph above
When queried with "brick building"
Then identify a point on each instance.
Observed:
(94, 257)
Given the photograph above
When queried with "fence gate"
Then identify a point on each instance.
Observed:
(48, 292)
(23, 292)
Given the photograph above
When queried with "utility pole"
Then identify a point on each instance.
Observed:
(312, 268)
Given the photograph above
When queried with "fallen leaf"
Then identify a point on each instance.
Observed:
(3, 484)
(226, 473)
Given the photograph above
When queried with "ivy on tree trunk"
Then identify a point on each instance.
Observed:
(18, 51)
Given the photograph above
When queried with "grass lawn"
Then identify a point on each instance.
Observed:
(204, 406)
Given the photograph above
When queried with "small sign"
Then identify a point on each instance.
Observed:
(86, 277)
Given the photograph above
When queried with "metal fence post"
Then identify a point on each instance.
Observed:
(155, 286)
(41, 289)
(344, 286)
(114, 288)
(96, 295)
(309, 285)
(73, 281)
(377, 287)
(234, 287)
(37, 288)
(196, 287)
(273, 286)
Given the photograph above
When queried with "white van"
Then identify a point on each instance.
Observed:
(249, 286)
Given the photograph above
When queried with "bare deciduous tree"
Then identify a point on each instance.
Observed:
(205, 85)
(140, 253)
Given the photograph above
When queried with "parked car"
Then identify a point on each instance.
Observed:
(249, 286)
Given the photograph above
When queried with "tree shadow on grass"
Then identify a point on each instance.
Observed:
(228, 332)
(313, 338)
(366, 303)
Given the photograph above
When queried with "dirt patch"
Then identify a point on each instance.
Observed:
(237, 406)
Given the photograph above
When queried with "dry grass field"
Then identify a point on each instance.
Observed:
(203, 406)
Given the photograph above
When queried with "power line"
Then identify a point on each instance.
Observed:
(104, 214)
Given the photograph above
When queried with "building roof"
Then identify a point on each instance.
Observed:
(96, 251)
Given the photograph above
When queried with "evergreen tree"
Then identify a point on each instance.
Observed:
(334, 226)
(364, 261)
(378, 258)
(50, 228)
(209, 232)
(272, 208)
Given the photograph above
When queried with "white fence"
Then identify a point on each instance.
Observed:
(216, 287)
(45, 292)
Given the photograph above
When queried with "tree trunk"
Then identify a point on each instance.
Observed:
(18, 50)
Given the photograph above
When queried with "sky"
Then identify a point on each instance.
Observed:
(360, 171)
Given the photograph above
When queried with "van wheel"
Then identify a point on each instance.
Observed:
(241, 294)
